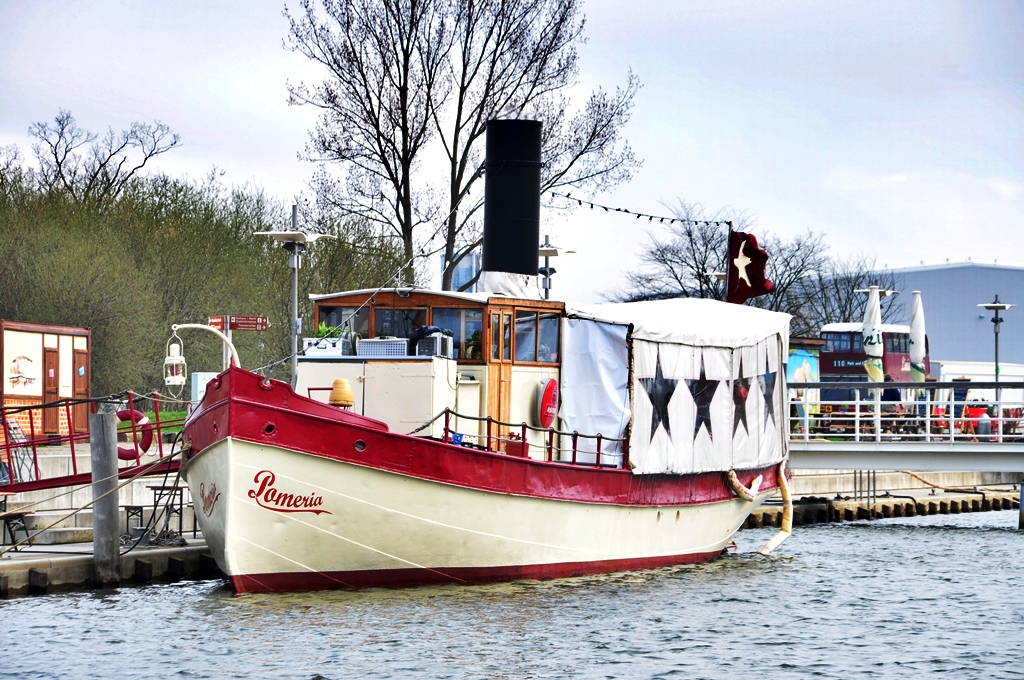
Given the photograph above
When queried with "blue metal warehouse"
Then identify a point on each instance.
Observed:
(957, 328)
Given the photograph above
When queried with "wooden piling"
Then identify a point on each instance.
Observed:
(5, 586)
(105, 517)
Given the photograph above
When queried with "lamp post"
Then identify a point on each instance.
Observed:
(294, 241)
(995, 307)
(548, 251)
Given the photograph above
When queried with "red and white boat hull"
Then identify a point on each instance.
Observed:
(282, 510)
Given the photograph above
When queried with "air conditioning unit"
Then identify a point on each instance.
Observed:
(329, 347)
(383, 347)
(435, 345)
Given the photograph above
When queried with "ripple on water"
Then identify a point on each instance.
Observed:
(891, 598)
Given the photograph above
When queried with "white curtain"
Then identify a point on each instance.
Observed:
(594, 386)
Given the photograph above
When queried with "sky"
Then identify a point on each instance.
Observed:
(893, 128)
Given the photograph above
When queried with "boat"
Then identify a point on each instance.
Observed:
(492, 436)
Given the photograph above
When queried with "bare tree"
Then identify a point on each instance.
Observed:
(403, 73)
(832, 293)
(684, 263)
(514, 59)
(375, 103)
(811, 286)
(93, 169)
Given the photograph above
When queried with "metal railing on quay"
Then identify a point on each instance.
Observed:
(56, 430)
(926, 412)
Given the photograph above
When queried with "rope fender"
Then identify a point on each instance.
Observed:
(787, 514)
(742, 491)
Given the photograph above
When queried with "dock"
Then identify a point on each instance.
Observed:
(42, 569)
(885, 505)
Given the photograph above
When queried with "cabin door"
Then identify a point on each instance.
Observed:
(51, 377)
(80, 412)
(499, 364)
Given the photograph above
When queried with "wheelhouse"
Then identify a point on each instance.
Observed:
(501, 352)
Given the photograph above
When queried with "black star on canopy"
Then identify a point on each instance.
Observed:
(659, 390)
(767, 382)
(740, 390)
(703, 390)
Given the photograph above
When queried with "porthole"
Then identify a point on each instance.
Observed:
(269, 428)
(360, 445)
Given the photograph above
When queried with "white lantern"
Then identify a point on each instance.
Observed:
(174, 366)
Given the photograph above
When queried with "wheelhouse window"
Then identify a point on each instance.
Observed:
(547, 340)
(836, 342)
(495, 337)
(537, 336)
(352, 319)
(467, 327)
(526, 336)
(506, 337)
(398, 323)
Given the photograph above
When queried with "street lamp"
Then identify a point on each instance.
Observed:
(995, 307)
(548, 251)
(294, 241)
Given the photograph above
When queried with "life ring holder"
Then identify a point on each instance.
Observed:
(142, 423)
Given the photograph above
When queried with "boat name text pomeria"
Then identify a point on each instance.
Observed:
(267, 496)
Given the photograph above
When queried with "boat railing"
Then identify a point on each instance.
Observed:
(957, 411)
(45, 446)
(516, 442)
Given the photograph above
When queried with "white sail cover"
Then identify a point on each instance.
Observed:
(707, 383)
(917, 338)
(871, 335)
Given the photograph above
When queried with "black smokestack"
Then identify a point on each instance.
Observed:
(512, 196)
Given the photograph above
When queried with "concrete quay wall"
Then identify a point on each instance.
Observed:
(32, 573)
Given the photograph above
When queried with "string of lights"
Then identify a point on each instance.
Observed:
(640, 215)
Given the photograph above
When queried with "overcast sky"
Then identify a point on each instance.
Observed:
(894, 128)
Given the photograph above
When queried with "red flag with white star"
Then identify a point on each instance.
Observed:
(747, 262)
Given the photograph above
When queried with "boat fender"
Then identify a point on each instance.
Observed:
(743, 492)
(143, 425)
(787, 514)
(545, 404)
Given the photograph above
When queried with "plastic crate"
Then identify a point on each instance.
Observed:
(383, 347)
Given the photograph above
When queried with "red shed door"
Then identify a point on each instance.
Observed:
(51, 376)
(80, 413)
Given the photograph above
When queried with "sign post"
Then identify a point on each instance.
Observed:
(226, 324)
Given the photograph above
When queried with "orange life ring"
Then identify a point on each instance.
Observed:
(143, 424)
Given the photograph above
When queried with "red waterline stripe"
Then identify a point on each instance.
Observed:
(397, 578)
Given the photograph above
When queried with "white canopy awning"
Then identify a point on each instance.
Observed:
(690, 321)
(707, 390)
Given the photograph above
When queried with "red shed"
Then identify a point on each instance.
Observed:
(43, 363)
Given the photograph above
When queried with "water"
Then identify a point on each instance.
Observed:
(895, 598)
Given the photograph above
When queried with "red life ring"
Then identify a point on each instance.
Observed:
(140, 419)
